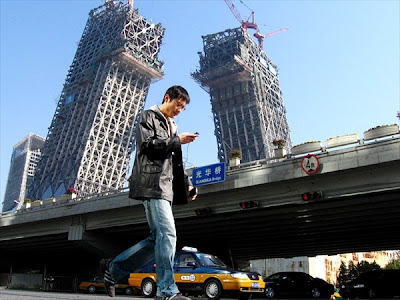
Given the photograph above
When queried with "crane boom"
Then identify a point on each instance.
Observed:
(267, 35)
(234, 10)
(251, 24)
(260, 37)
(245, 24)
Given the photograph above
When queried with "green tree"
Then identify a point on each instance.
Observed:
(353, 271)
(365, 266)
(343, 273)
(394, 263)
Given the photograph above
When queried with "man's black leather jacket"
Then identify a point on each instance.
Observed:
(158, 171)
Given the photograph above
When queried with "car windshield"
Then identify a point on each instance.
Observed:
(274, 276)
(207, 260)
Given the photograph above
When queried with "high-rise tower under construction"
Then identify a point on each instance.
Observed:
(25, 156)
(90, 139)
(245, 95)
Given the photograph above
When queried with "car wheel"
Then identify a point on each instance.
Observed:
(128, 291)
(148, 288)
(315, 293)
(91, 289)
(213, 289)
(269, 292)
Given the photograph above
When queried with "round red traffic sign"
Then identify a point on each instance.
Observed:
(310, 164)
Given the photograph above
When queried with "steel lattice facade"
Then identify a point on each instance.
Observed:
(90, 139)
(246, 98)
(24, 159)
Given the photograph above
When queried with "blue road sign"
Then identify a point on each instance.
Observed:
(209, 174)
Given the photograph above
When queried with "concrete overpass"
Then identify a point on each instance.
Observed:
(359, 211)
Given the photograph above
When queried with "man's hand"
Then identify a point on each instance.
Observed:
(187, 137)
(190, 188)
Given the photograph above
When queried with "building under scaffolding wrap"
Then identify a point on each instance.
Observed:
(245, 95)
(90, 139)
(25, 156)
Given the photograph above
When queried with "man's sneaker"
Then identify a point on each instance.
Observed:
(178, 296)
(109, 284)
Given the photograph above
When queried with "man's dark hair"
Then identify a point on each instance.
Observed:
(178, 92)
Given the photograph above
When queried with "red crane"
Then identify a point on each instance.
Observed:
(251, 24)
(245, 24)
(260, 37)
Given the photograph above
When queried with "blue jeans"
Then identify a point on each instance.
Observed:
(161, 244)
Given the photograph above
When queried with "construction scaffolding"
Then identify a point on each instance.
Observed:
(90, 139)
(246, 99)
(25, 156)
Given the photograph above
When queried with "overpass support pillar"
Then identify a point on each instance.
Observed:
(91, 242)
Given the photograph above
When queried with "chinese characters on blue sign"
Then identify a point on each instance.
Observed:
(208, 174)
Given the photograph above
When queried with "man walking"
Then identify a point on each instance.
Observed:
(159, 179)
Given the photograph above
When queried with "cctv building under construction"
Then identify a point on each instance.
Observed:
(245, 95)
(90, 139)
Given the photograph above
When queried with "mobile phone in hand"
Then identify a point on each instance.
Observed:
(192, 192)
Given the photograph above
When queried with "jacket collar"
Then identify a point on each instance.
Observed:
(156, 109)
(158, 112)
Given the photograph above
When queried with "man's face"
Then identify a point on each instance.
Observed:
(173, 106)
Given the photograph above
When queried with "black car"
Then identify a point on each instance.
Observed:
(297, 284)
(372, 284)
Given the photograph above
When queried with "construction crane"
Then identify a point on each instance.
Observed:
(251, 24)
(260, 37)
(245, 24)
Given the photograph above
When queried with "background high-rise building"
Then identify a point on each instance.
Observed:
(326, 267)
(25, 156)
(246, 98)
(90, 139)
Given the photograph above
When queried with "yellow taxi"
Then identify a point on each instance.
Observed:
(202, 274)
(97, 285)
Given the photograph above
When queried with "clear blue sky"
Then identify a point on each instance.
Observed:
(338, 64)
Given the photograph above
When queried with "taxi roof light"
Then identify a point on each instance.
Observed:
(189, 249)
